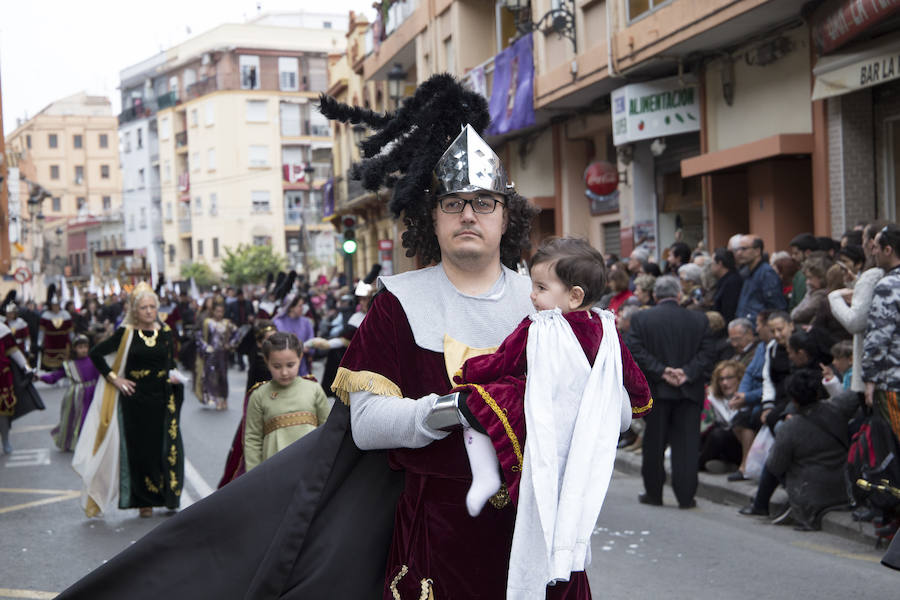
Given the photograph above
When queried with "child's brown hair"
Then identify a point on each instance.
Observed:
(575, 262)
(282, 341)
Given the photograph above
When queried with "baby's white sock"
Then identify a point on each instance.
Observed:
(485, 470)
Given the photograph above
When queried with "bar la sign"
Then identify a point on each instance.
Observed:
(655, 109)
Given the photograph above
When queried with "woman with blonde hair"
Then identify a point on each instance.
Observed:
(130, 452)
(720, 449)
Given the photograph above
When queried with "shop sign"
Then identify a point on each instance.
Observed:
(840, 21)
(842, 73)
(654, 109)
(385, 244)
(601, 177)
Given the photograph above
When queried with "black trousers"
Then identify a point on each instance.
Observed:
(676, 423)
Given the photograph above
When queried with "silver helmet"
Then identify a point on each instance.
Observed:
(470, 165)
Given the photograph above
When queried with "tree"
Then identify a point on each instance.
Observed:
(201, 272)
(250, 264)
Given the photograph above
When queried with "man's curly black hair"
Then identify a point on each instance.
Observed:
(410, 142)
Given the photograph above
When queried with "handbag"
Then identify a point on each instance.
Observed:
(758, 453)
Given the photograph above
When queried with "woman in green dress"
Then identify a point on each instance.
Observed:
(130, 448)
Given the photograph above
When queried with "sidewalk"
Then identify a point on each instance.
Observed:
(717, 488)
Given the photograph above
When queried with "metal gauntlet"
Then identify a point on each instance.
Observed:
(444, 414)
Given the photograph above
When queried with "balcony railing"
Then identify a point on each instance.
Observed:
(167, 100)
(398, 12)
(201, 88)
(480, 78)
(181, 139)
(136, 112)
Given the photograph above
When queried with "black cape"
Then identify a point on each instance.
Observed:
(27, 398)
(314, 521)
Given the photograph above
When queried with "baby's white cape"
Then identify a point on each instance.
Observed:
(572, 416)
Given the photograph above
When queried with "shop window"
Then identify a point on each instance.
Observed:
(612, 242)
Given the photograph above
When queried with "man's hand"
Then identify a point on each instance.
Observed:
(870, 393)
(674, 377)
(765, 413)
(737, 401)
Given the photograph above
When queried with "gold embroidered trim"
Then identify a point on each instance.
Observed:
(393, 587)
(150, 486)
(173, 429)
(171, 404)
(501, 414)
(427, 592)
(162, 374)
(501, 498)
(173, 482)
(139, 374)
(291, 419)
(636, 410)
(347, 381)
(173, 456)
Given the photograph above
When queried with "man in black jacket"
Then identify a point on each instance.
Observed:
(674, 348)
(728, 286)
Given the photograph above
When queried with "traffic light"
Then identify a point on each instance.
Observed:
(348, 243)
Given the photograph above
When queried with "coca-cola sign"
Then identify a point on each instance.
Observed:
(601, 178)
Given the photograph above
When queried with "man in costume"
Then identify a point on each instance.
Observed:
(288, 528)
(56, 330)
(19, 328)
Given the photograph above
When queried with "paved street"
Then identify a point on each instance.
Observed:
(639, 551)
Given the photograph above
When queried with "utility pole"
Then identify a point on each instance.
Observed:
(4, 197)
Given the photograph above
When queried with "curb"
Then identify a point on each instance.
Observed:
(716, 488)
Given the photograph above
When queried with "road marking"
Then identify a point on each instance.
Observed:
(30, 428)
(10, 593)
(200, 486)
(835, 552)
(58, 496)
(29, 458)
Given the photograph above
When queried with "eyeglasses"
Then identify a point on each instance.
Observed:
(743, 248)
(482, 204)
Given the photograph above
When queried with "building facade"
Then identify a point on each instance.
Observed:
(70, 150)
(242, 156)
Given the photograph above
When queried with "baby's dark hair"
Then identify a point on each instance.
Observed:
(282, 341)
(804, 386)
(575, 262)
(842, 349)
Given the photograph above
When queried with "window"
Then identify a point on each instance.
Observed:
(210, 111)
(288, 68)
(28, 142)
(80, 203)
(140, 138)
(198, 205)
(79, 174)
(249, 72)
(195, 119)
(104, 171)
(259, 156)
(318, 125)
(167, 171)
(126, 142)
(142, 223)
(57, 204)
(211, 159)
(292, 155)
(256, 111)
(326, 24)
(195, 161)
(52, 140)
(168, 211)
(317, 77)
(638, 8)
(104, 140)
(449, 57)
(107, 202)
(199, 247)
(171, 253)
(260, 201)
(131, 222)
(54, 171)
(173, 86)
(213, 204)
(77, 141)
(262, 240)
(215, 242)
(290, 119)
(141, 180)
(165, 128)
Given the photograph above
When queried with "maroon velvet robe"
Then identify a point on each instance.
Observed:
(496, 383)
(434, 537)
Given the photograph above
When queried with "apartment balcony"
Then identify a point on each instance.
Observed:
(480, 79)
(167, 100)
(181, 140)
(184, 186)
(184, 225)
(201, 88)
(137, 112)
(406, 19)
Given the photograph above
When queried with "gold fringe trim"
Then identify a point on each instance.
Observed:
(636, 410)
(427, 592)
(503, 419)
(347, 381)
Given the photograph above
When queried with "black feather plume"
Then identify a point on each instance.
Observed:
(373, 274)
(411, 140)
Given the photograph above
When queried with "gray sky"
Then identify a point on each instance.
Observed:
(50, 49)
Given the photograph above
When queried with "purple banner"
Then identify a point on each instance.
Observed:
(328, 193)
(512, 99)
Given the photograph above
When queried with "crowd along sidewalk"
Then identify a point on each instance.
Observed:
(716, 488)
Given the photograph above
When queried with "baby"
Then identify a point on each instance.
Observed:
(569, 275)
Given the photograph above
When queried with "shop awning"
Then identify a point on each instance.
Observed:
(856, 68)
(784, 144)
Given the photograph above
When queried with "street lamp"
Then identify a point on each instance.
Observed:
(396, 82)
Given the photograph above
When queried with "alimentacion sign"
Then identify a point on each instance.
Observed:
(654, 109)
